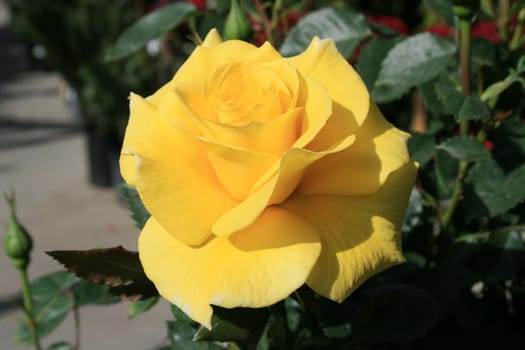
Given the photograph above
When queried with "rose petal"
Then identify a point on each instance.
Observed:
(146, 134)
(272, 189)
(207, 56)
(237, 169)
(378, 150)
(254, 268)
(360, 235)
(322, 62)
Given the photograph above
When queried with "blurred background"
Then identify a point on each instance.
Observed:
(47, 134)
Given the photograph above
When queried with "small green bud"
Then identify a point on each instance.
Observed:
(237, 25)
(17, 241)
(465, 9)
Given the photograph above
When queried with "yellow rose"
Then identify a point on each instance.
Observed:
(263, 173)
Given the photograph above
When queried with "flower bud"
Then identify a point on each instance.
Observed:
(237, 25)
(465, 9)
(17, 242)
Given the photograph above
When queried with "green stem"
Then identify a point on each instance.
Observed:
(76, 315)
(28, 308)
(518, 31)
(464, 76)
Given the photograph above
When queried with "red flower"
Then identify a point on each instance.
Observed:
(200, 4)
(489, 145)
(391, 22)
(441, 29)
(487, 30)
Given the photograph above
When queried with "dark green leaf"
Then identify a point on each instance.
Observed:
(430, 98)
(150, 27)
(483, 52)
(181, 337)
(473, 108)
(482, 181)
(61, 346)
(443, 7)
(392, 312)
(346, 27)
(180, 316)
(371, 57)
(116, 267)
(86, 293)
(495, 192)
(449, 95)
(234, 325)
(411, 62)
(446, 171)
(139, 213)
(508, 257)
(413, 212)
(47, 287)
(422, 147)
(141, 306)
(465, 148)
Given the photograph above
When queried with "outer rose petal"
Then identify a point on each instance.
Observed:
(322, 62)
(360, 235)
(378, 150)
(171, 168)
(255, 267)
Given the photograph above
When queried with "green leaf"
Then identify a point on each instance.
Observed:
(449, 95)
(116, 267)
(443, 7)
(392, 312)
(494, 192)
(139, 213)
(411, 62)
(54, 296)
(465, 148)
(181, 337)
(180, 316)
(141, 306)
(422, 147)
(61, 346)
(483, 52)
(86, 293)
(239, 324)
(346, 27)
(413, 211)
(150, 27)
(473, 108)
(371, 57)
(49, 314)
(446, 172)
(430, 98)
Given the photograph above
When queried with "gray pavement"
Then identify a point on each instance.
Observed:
(42, 157)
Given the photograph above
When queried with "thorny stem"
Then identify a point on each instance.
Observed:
(28, 307)
(464, 75)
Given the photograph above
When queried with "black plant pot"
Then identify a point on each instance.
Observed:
(102, 156)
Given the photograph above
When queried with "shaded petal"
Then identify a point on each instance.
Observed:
(237, 169)
(378, 150)
(274, 187)
(318, 109)
(180, 200)
(253, 268)
(322, 62)
(360, 235)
